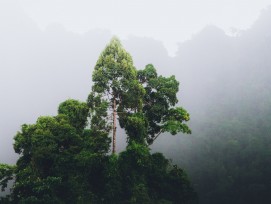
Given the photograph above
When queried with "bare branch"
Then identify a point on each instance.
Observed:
(156, 136)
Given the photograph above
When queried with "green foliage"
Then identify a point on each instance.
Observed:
(138, 176)
(46, 161)
(136, 127)
(100, 125)
(63, 159)
(6, 174)
(58, 156)
(159, 102)
(115, 76)
(99, 115)
(113, 69)
(76, 111)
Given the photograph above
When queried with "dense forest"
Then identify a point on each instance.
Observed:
(66, 158)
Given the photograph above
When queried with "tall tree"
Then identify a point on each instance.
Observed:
(142, 100)
(115, 80)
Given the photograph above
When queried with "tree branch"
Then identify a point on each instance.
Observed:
(156, 136)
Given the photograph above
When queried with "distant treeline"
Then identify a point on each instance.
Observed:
(228, 156)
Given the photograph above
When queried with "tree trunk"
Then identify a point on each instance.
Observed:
(114, 126)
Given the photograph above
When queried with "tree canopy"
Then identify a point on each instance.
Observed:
(65, 158)
(143, 101)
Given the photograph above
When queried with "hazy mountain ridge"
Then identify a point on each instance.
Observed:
(228, 154)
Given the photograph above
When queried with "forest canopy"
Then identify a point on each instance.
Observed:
(66, 158)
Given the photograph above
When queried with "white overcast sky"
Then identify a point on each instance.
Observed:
(170, 21)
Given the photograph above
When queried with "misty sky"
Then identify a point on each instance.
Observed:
(170, 21)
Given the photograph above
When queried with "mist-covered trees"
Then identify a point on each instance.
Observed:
(228, 92)
(142, 100)
(65, 158)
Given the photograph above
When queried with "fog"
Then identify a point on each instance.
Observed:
(170, 22)
(223, 79)
(226, 88)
